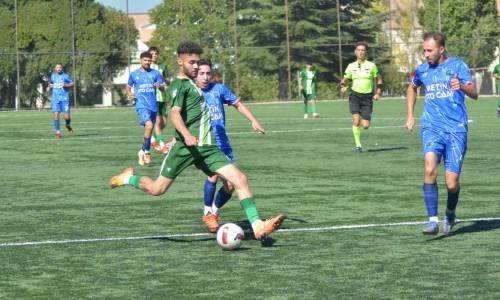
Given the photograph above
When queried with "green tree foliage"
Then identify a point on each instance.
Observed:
(261, 35)
(471, 27)
(46, 38)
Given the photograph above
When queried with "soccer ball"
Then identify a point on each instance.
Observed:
(230, 236)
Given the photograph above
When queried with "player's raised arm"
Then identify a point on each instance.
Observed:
(244, 111)
(178, 122)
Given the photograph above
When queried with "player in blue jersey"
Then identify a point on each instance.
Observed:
(216, 95)
(60, 83)
(142, 85)
(446, 81)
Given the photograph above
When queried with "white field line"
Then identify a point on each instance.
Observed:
(114, 137)
(188, 235)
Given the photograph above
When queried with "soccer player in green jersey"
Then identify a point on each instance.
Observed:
(496, 75)
(363, 74)
(196, 145)
(157, 139)
(307, 83)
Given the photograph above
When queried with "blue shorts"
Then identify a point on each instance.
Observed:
(146, 115)
(61, 106)
(451, 146)
(228, 151)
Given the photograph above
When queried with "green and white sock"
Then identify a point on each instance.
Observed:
(248, 206)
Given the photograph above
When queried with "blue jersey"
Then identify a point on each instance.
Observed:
(59, 92)
(144, 89)
(444, 108)
(216, 95)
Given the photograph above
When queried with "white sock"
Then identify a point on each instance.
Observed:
(433, 219)
(207, 210)
(126, 179)
(214, 209)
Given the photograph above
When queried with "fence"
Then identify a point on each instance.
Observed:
(257, 47)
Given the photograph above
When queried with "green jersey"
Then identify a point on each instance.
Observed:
(184, 93)
(362, 76)
(162, 68)
(496, 71)
(308, 80)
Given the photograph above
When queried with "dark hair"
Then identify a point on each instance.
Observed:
(145, 54)
(153, 48)
(437, 36)
(361, 43)
(189, 48)
(205, 62)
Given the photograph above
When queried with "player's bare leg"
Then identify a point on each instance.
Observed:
(155, 187)
(240, 182)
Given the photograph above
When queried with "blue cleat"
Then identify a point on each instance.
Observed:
(431, 229)
(449, 221)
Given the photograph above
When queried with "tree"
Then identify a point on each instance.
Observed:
(313, 34)
(45, 38)
(471, 28)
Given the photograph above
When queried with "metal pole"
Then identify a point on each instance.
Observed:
(390, 27)
(128, 38)
(18, 85)
(341, 68)
(288, 52)
(74, 54)
(235, 42)
(439, 15)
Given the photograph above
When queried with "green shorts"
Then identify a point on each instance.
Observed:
(308, 97)
(162, 109)
(207, 158)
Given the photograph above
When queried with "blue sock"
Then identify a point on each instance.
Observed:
(431, 199)
(451, 204)
(146, 146)
(57, 126)
(209, 192)
(222, 197)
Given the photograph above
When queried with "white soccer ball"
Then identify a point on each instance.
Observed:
(230, 236)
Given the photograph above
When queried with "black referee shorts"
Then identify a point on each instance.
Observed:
(361, 104)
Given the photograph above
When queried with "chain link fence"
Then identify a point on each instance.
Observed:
(258, 58)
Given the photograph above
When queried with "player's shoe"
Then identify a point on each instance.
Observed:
(70, 129)
(358, 150)
(268, 227)
(157, 146)
(119, 179)
(449, 221)
(306, 116)
(316, 115)
(140, 157)
(58, 135)
(147, 157)
(431, 229)
(212, 222)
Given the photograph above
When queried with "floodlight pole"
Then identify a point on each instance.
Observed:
(74, 54)
(439, 15)
(341, 68)
(235, 42)
(18, 85)
(128, 38)
(288, 52)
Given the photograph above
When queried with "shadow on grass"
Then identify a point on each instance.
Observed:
(386, 149)
(475, 226)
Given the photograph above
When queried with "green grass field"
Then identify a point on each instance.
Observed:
(124, 244)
